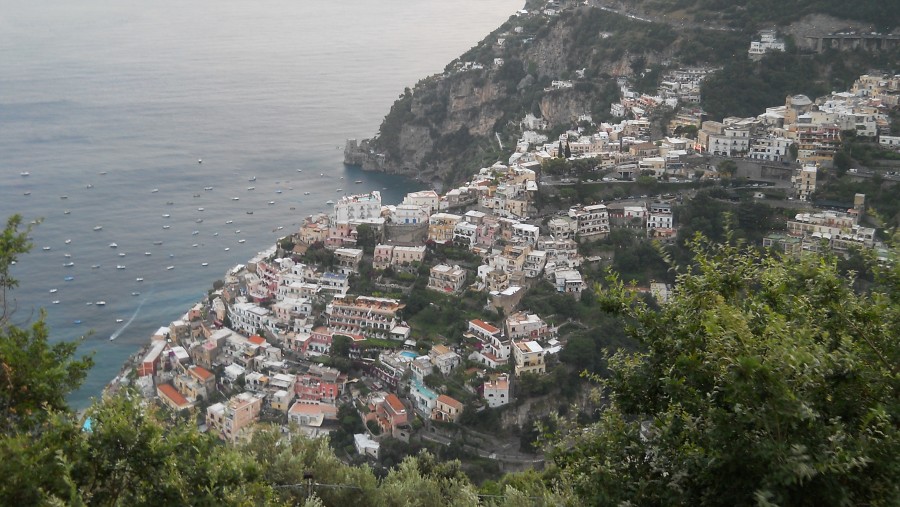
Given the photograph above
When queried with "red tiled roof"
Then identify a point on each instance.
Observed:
(484, 325)
(394, 403)
(201, 372)
(259, 340)
(446, 400)
(171, 393)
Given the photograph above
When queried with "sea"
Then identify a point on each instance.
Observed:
(159, 144)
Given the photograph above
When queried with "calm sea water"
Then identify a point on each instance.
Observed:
(109, 105)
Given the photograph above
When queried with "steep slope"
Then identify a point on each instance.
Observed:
(451, 124)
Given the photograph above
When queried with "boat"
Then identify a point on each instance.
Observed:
(24, 174)
(227, 248)
(95, 266)
(166, 215)
(147, 253)
(66, 212)
(204, 264)
(166, 226)
(157, 242)
(113, 245)
(252, 179)
(271, 203)
(119, 321)
(68, 241)
(329, 202)
(138, 279)
(251, 188)
(121, 254)
(199, 220)
(68, 264)
(195, 233)
(76, 322)
(98, 227)
(196, 195)
(155, 190)
(241, 240)
(229, 222)
(249, 212)
(299, 170)
(102, 173)
(339, 190)
(207, 188)
(119, 266)
(235, 198)
(69, 278)
(46, 248)
(55, 301)
(170, 268)
(89, 186)
(199, 209)
(238, 231)
(199, 160)
(305, 193)
(195, 245)
(169, 203)
(358, 182)
(215, 234)
(100, 303)
(278, 191)
(67, 256)
(135, 293)
(279, 227)
(27, 193)
(53, 291)
(63, 197)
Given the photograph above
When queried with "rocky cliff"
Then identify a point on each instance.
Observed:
(450, 125)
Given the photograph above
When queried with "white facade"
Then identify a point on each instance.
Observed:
(772, 149)
(360, 207)
(428, 199)
(409, 214)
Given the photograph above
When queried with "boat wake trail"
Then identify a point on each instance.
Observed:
(133, 316)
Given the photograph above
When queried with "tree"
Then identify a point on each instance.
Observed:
(764, 381)
(568, 151)
(559, 151)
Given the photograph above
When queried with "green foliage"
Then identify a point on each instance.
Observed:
(764, 381)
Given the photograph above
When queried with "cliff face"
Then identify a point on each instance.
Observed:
(450, 125)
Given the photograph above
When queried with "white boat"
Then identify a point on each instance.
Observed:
(167, 215)
(299, 170)
(195, 245)
(46, 248)
(238, 231)
(68, 241)
(98, 227)
(305, 193)
(227, 249)
(271, 203)
(280, 227)
(147, 253)
(63, 197)
(121, 254)
(56, 301)
(89, 303)
(215, 234)
(278, 191)
(155, 190)
(207, 188)
(169, 203)
(135, 293)
(229, 222)
(67, 256)
(89, 186)
(249, 212)
(157, 242)
(204, 264)
(167, 226)
(27, 193)
(235, 198)
(68, 264)
(195, 233)
(119, 266)
(252, 179)
(241, 240)
(358, 182)
(119, 321)
(100, 303)
(24, 173)
(113, 245)
(199, 220)
(53, 291)
(138, 279)
(339, 190)
(199, 160)
(329, 202)
(95, 266)
(199, 209)
(102, 173)
(170, 268)
(251, 188)
(66, 212)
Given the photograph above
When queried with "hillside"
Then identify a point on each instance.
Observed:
(449, 125)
